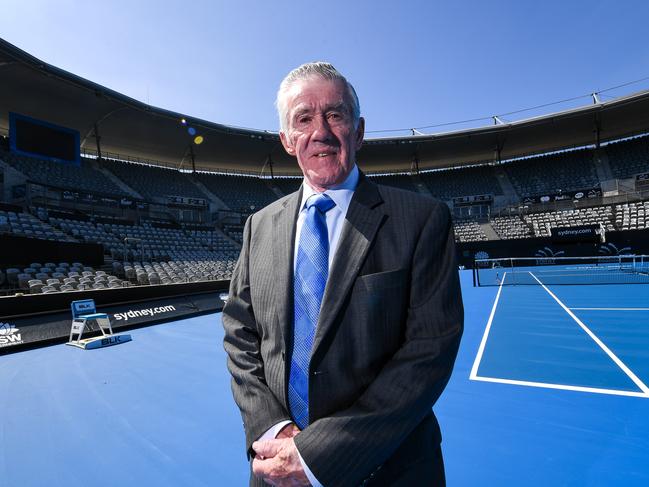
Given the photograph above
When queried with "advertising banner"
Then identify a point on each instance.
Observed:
(40, 330)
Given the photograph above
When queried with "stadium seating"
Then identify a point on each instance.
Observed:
(402, 181)
(63, 175)
(629, 157)
(287, 185)
(542, 222)
(632, 216)
(241, 193)
(234, 231)
(27, 225)
(471, 181)
(550, 174)
(154, 182)
(142, 249)
(468, 231)
(510, 227)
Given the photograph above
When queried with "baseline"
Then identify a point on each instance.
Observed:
(563, 387)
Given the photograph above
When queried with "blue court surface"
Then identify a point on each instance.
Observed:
(549, 389)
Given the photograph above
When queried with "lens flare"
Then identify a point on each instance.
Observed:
(198, 140)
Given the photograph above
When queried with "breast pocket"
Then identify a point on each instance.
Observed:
(376, 317)
(386, 280)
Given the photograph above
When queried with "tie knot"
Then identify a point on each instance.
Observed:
(322, 202)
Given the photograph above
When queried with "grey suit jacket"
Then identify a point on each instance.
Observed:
(386, 339)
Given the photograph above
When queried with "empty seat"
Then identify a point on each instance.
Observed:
(12, 276)
(23, 281)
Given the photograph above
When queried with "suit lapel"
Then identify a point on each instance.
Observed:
(361, 224)
(284, 222)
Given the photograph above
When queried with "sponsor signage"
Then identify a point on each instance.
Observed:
(472, 200)
(9, 335)
(132, 314)
(184, 201)
(584, 233)
(56, 326)
(568, 195)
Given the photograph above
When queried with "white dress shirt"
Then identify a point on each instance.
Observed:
(342, 196)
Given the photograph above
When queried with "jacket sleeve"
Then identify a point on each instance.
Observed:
(259, 407)
(346, 447)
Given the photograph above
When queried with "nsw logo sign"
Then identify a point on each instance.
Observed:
(9, 335)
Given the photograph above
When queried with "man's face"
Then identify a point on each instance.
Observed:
(321, 131)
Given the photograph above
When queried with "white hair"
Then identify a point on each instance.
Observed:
(321, 70)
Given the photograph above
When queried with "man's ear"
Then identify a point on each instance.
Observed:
(288, 146)
(360, 133)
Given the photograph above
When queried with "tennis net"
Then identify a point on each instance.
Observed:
(620, 269)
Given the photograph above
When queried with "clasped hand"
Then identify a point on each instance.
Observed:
(277, 461)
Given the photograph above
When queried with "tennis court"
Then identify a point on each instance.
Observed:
(534, 399)
(560, 375)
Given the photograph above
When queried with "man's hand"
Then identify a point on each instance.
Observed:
(277, 462)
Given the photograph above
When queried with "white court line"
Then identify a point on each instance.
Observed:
(643, 387)
(478, 358)
(546, 385)
(611, 309)
(476, 364)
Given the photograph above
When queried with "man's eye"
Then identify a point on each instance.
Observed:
(303, 120)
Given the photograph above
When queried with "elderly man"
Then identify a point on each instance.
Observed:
(345, 314)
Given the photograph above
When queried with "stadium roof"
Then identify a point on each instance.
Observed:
(131, 128)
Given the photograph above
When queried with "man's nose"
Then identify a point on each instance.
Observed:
(321, 129)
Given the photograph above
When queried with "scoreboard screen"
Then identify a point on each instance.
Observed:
(37, 138)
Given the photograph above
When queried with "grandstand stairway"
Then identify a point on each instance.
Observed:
(12, 177)
(218, 202)
(419, 184)
(489, 231)
(121, 184)
(271, 185)
(506, 185)
(225, 235)
(600, 160)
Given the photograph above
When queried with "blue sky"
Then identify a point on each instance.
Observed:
(413, 63)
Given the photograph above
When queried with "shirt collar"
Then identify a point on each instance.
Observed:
(341, 194)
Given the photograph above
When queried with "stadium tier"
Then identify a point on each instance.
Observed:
(402, 181)
(629, 157)
(167, 244)
(154, 182)
(565, 171)
(453, 183)
(83, 177)
(469, 231)
(511, 227)
(553, 173)
(287, 185)
(239, 193)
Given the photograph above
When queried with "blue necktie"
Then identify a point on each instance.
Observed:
(311, 271)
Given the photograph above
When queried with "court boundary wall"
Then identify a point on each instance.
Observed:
(49, 318)
(617, 243)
